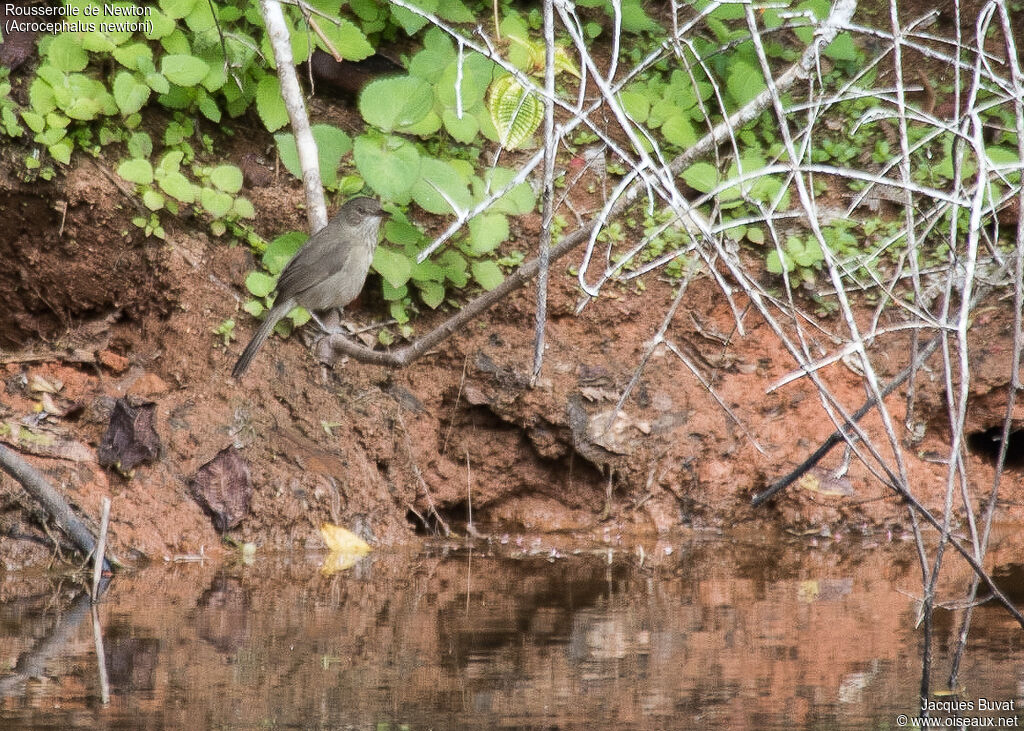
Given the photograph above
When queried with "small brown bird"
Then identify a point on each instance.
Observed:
(328, 271)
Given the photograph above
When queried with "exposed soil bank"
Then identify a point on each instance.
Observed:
(91, 314)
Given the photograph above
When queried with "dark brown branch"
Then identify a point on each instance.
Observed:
(52, 501)
(841, 434)
(403, 356)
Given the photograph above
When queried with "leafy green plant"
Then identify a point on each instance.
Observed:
(802, 255)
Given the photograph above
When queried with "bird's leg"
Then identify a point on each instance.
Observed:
(333, 319)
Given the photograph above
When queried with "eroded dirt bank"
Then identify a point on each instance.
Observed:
(92, 314)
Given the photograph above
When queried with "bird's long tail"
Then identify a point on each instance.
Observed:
(273, 317)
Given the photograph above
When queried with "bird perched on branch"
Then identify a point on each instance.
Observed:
(328, 271)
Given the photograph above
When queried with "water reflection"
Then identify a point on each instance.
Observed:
(723, 633)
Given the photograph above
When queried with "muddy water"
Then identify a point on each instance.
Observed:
(710, 633)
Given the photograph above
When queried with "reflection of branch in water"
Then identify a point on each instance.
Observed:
(32, 664)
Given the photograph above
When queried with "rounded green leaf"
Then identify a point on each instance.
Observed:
(395, 267)
(744, 82)
(431, 293)
(183, 70)
(217, 203)
(61, 151)
(242, 207)
(396, 102)
(259, 284)
(487, 232)
(269, 104)
(129, 94)
(678, 129)
(701, 176)
(178, 186)
(636, 105)
(132, 55)
(440, 187)
(177, 8)
(136, 171)
(227, 177)
(462, 130)
(487, 274)
(153, 200)
(140, 145)
(346, 38)
(65, 53)
(390, 166)
(280, 251)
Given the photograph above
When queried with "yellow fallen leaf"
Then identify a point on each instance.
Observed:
(343, 541)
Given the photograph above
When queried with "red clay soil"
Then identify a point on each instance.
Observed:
(92, 313)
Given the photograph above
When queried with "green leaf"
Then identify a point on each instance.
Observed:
(157, 83)
(410, 21)
(299, 316)
(178, 186)
(152, 200)
(462, 130)
(132, 54)
(392, 265)
(438, 52)
(393, 293)
(431, 293)
(332, 144)
(454, 11)
(773, 263)
(242, 208)
(487, 274)
(390, 166)
(217, 203)
(744, 82)
(345, 37)
(35, 122)
(1001, 155)
(842, 48)
(635, 20)
(440, 187)
(227, 177)
(140, 145)
(41, 97)
(176, 43)
(396, 102)
(280, 251)
(201, 18)
(177, 8)
(399, 231)
(171, 161)
(454, 266)
(129, 94)
(515, 112)
(183, 70)
(477, 74)
(65, 53)
(636, 105)
(207, 105)
(136, 171)
(398, 312)
(61, 151)
(260, 284)
(269, 104)
(678, 129)
(486, 232)
(701, 176)
(518, 201)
